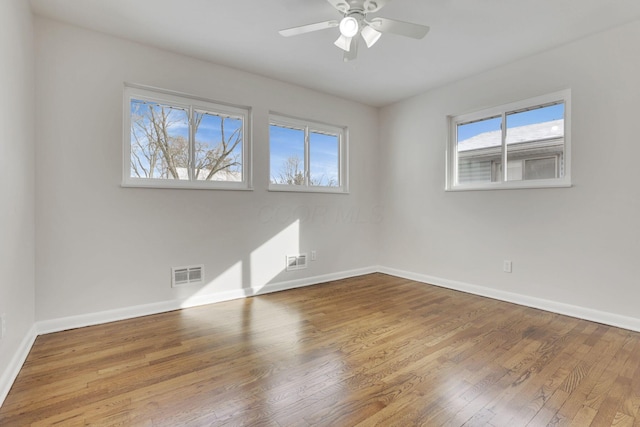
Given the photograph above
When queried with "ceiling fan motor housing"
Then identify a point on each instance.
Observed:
(363, 6)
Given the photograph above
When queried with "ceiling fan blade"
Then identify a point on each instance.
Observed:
(352, 53)
(386, 25)
(308, 28)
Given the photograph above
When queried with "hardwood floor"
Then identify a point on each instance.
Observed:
(369, 351)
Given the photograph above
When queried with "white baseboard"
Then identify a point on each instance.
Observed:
(79, 321)
(82, 320)
(9, 374)
(607, 318)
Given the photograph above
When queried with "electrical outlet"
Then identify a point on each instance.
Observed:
(506, 266)
(314, 256)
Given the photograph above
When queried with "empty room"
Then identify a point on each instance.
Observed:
(319, 213)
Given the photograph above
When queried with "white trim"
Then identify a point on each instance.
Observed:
(89, 319)
(185, 184)
(607, 318)
(8, 376)
(56, 325)
(310, 281)
(61, 324)
(306, 189)
(513, 185)
(10, 373)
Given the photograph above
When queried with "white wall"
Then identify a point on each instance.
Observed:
(103, 247)
(577, 246)
(16, 182)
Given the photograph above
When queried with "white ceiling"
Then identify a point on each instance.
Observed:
(466, 37)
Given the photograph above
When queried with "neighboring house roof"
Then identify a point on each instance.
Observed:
(535, 132)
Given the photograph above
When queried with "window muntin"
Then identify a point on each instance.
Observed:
(519, 145)
(306, 156)
(174, 141)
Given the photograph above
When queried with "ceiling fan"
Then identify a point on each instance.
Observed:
(355, 22)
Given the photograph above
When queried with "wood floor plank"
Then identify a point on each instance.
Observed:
(541, 379)
(602, 344)
(374, 350)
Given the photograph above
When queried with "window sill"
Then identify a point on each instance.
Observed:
(187, 185)
(513, 185)
(300, 189)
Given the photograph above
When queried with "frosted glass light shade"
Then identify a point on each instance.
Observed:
(343, 43)
(370, 35)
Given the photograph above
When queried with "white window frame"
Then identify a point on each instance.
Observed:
(313, 126)
(453, 121)
(189, 103)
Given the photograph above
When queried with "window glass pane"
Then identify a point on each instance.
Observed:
(478, 147)
(324, 162)
(159, 141)
(218, 147)
(536, 132)
(540, 168)
(286, 147)
(514, 171)
(535, 125)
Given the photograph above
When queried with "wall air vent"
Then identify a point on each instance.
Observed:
(296, 262)
(181, 276)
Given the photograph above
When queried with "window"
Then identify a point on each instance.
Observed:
(520, 145)
(307, 156)
(174, 141)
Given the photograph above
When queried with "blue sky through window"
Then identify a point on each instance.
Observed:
(324, 151)
(145, 160)
(469, 130)
(209, 137)
(323, 159)
(284, 143)
(538, 115)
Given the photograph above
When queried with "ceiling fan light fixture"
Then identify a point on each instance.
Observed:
(354, 21)
(343, 43)
(349, 26)
(370, 35)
